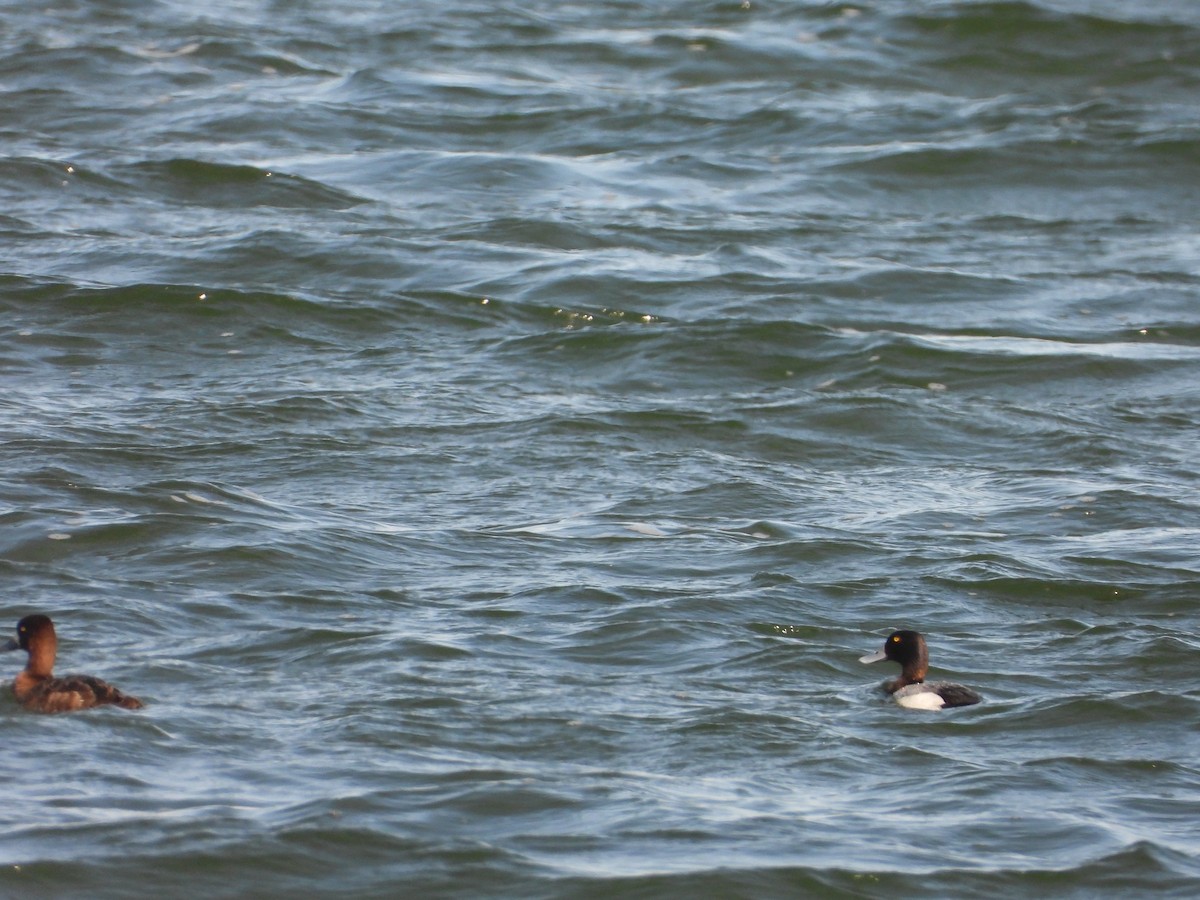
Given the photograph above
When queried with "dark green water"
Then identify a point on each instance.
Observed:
(487, 436)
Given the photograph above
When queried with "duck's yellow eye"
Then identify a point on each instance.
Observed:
(895, 639)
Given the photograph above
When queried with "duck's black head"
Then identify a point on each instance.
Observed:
(909, 650)
(906, 647)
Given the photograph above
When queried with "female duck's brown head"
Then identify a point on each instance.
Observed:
(37, 689)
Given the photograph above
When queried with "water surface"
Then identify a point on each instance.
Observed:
(487, 436)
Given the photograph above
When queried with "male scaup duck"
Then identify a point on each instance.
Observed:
(909, 687)
(38, 690)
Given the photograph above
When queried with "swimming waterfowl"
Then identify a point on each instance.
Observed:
(909, 688)
(36, 687)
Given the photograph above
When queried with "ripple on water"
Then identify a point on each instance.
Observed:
(489, 436)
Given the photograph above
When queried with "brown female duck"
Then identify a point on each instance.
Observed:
(36, 687)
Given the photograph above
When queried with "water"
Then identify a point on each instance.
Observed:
(486, 436)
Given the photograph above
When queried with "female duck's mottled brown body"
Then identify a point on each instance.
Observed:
(37, 688)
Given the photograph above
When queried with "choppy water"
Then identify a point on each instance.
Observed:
(487, 435)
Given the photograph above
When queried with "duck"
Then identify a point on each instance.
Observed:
(38, 690)
(909, 688)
